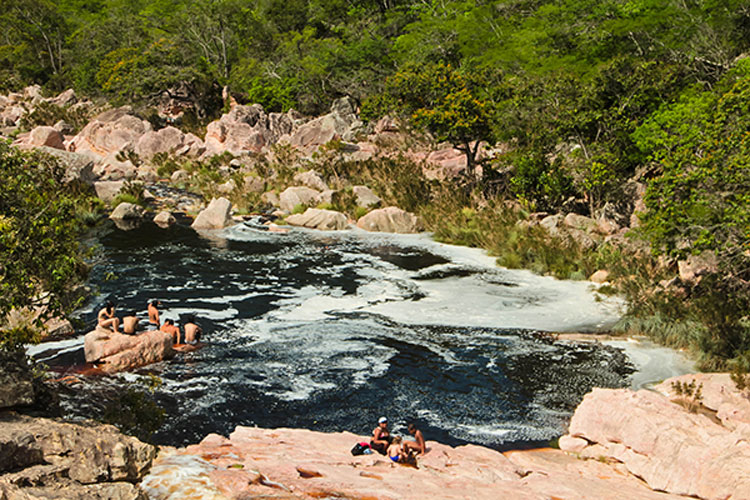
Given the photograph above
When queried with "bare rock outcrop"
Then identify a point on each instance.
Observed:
(315, 218)
(118, 352)
(271, 463)
(311, 179)
(365, 196)
(242, 129)
(659, 441)
(127, 211)
(297, 195)
(48, 459)
(46, 136)
(217, 215)
(390, 220)
(168, 140)
(340, 123)
(110, 132)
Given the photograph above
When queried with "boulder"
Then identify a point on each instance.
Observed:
(670, 448)
(127, 211)
(112, 168)
(117, 352)
(270, 198)
(340, 123)
(600, 276)
(168, 140)
(78, 167)
(107, 190)
(164, 219)
(226, 187)
(552, 224)
(365, 196)
(33, 93)
(147, 173)
(315, 218)
(11, 115)
(297, 195)
(47, 136)
(179, 176)
(110, 132)
(217, 215)
(581, 222)
(253, 184)
(242, 129)
(311, 179)
(695, 266)
(390, 220)
(64, 127)
(65, 98)
(444, 163)
(326, 197)
(53, 459)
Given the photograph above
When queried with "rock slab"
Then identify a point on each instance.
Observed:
(118, 352)
(315, 218)
(217, 215)
(390, 220)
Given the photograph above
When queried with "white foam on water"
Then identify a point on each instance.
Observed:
(56, 347)
(174, 313)
(653, 363)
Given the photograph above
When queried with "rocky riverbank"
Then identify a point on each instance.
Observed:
(621, 445)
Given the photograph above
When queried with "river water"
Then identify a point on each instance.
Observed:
(329, 331)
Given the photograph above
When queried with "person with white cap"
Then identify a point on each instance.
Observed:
(381, 438)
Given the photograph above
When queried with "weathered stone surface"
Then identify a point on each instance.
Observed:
(125, 211)
(61, 460)
(168, 140)
(296, 195)
(311, 179)
(47, 136)
(365, 196)
(147, 173)
(670, 448)
(599, 276)
(110, 132)
(338, 124)
(552, 224)
(16, 381)
(65, 98)
(179, 176)
(695, 266)
(580, 222)
(78, 167)
(253, 184)
(107, 190)
(117, 352)
(113, 168)
(228, 468)
(217, 215)
(242, 129)
(271, 198)
(390, 220)
(315, 218)
(226, 187)
(164, 219)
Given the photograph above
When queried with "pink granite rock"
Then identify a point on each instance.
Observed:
(390, 220)
(112, 131)
(302, 464)
(315, 218)
(168, 140)
(47, 136)
(670, 448)
(117, 352)
(297, 195)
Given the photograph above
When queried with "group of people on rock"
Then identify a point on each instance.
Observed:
(190, 334)
(394, 447)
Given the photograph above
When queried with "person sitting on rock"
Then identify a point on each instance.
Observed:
(170, 328)
(395, 451)
(153, 313)
(418, 444)
(381, 438)
(107, 319)
(192, 331)
(130, 323)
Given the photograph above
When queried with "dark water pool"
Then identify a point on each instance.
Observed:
(299, 334)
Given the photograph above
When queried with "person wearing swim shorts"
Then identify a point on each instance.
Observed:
(395, 452)
(418, 445)
(192, 331)
(107, 319)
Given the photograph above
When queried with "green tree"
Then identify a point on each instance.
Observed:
(40, 255)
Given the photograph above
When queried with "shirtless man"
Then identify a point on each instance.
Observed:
(192, 331)
(130, 323)
(153, 313)
(418, 444)
(107, 319)
(381, 438)
(171, 329)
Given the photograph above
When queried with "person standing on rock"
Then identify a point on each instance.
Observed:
(381, 437)
(153, 313)
(418, 444)
(192, 331)
(107, 319)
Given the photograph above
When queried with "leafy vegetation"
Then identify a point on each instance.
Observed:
(40, 255)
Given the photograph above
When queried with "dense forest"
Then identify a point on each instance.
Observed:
(587, 97)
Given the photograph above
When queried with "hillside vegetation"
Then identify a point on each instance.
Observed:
(587, 99)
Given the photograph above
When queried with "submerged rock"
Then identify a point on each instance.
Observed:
(118, 352)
